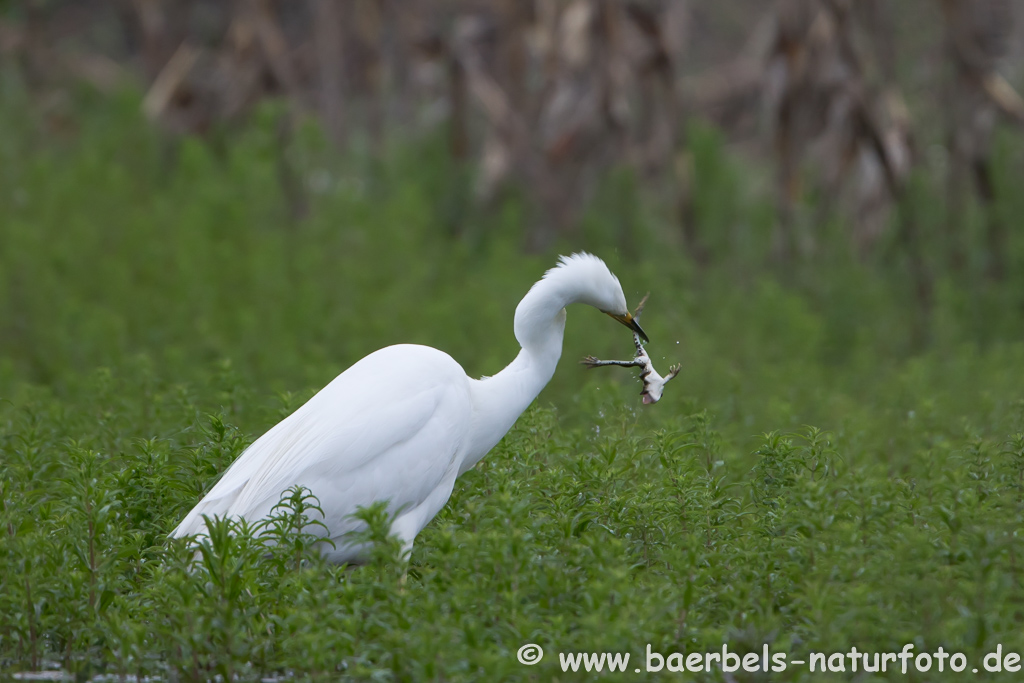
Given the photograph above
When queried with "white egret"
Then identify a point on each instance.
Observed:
(404, 422)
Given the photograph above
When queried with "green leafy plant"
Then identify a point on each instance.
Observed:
(156, 316)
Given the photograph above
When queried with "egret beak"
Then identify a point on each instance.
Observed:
(629, 321)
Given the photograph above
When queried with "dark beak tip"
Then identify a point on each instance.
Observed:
(630, 322)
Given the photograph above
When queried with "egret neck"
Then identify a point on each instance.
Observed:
(499, 400)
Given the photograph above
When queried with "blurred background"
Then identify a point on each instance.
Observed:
(208, 209)
(286, 186)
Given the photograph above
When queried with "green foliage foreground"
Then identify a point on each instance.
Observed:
(575, 539)
(595, 526)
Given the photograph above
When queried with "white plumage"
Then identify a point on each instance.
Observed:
(404, 422)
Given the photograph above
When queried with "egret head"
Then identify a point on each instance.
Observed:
(587, 280)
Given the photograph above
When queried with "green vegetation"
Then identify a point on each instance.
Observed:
(159, 310)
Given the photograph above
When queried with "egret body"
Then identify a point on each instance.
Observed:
(404, 422)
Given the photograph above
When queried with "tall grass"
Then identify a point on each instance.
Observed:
(159, 309)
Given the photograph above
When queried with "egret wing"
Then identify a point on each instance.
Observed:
(351, 449)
